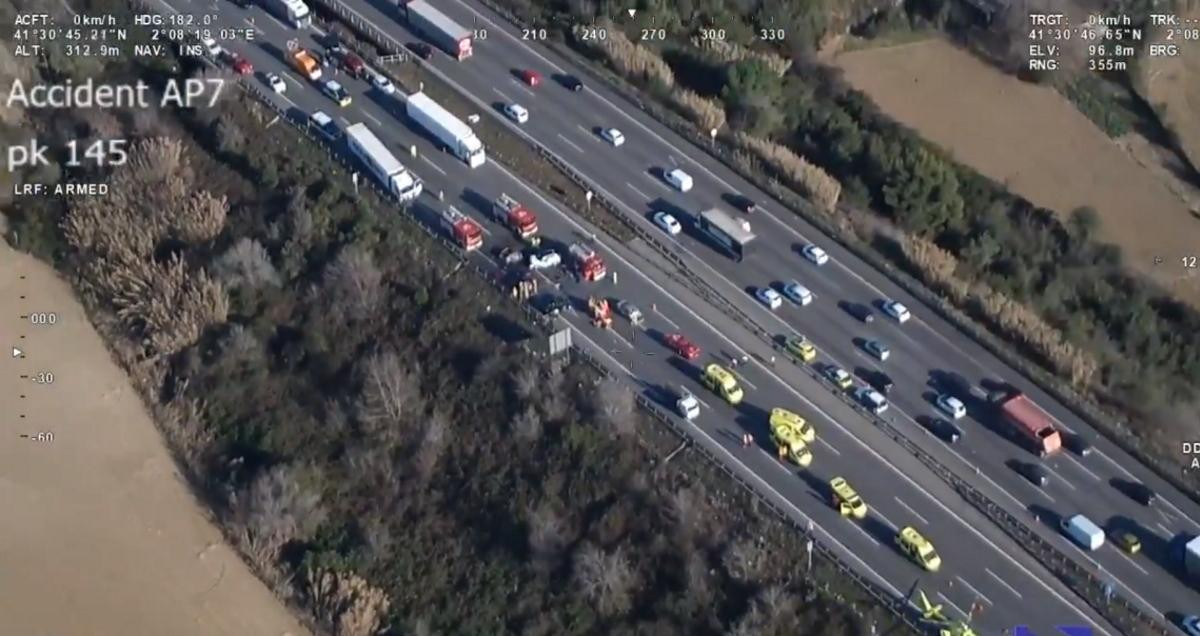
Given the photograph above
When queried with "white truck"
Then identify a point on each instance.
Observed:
(1191, 560)
(449, 130)
(294, 12)
(382, 163)
(1082, 531)
(449, 35)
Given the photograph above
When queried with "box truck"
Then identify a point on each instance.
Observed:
(1081, 530)
(438, 28)
(305, 64)
(381, 163)
(449, 130)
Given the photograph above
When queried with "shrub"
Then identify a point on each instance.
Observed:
(813, 182)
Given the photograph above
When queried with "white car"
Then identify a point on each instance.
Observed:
(334, 90)
(897, 311)
(871, 399)
(951, 406)
(768, 297)
(516, 112)
(276, 83)
(798, 293)
(678, 179)
(668, 223)
(877, 349)
(688, 406)
(212, 47)
(630, 311)
(384, 84)
(815, 254)
(612, 136)
(544, 259)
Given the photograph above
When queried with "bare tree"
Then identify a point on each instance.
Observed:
(346, 602)
(528, 424)
(246, 264)
(749, 624)
(742, 560)
(354, 284)
(555, 405)
(607, 579)
(526, 381)
(685, 509)
(274, 509)
(615, 403)
(699, 580)
(775, 603)
(391, 392)
(547, 533)
(433, 444)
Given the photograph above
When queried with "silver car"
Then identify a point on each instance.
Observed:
(631, 312)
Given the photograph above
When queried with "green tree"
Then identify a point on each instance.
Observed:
(748, 80)
(921, 190)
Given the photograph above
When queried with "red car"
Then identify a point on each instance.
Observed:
(353, 64)
(533, 78)
(681, 346)
(240, 65)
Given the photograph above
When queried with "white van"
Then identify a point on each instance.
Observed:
(872, 400)
(681, 180)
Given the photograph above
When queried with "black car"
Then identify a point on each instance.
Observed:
(861, 312)
(744, 203)
(945, 430)
(1077, 444)
(1139, 492)
(421, 50)
(571, 83)
(881, 381)
(550, 304)
(1034, 473)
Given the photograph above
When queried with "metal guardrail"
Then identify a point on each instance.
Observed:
(1081, 580)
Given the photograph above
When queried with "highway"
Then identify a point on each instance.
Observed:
(922, 350)
(980, 564)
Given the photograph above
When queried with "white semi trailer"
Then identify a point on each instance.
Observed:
(447, 129)
(382, 164)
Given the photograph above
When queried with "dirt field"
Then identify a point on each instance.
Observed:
(99, 534)
(1172, 86)
(1037, 143)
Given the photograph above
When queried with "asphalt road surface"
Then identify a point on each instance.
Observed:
(925, 352)
(980, 565)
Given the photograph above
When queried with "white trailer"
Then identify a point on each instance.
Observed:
(294, 12)
(1191, 560)
(446, 128)
(382, 163)
(449, 35)
(1081, 530)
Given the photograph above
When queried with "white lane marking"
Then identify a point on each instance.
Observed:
(829, 447)
(659, 182)
(589, 134)
(866, 534)
(1132, 562)
(441, 75)
(253, 26)
(432, 164)
(344, 120)
(1058, 476)
(622, 338)
(1082, 467)
(951, 603)
(1002, 582)
(369, 116)
(910, 510)
(506, 99)
(743, 379)
(285, 98)
(664, 317)
(978, 594)
(524, 87)
(293, 79)
(978, 472)
(640, 193)
(1165, 530)
(316, 29)
(277, 21)
(570, 143)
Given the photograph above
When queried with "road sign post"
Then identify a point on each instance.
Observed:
(588, 196)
